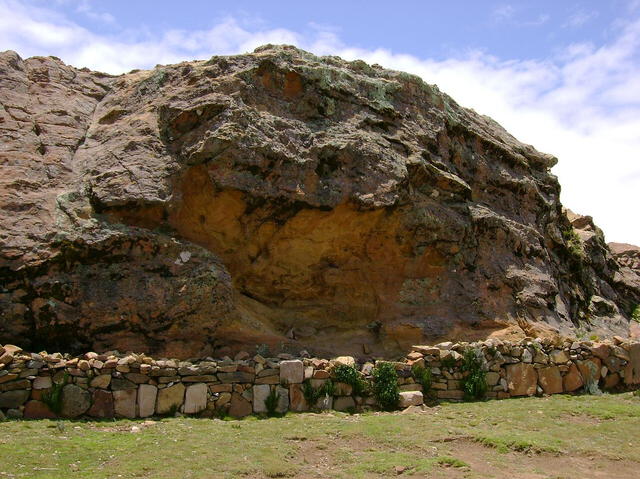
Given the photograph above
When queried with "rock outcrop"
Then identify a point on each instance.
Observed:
(279, 198)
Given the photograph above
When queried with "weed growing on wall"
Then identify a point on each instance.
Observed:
(422, 376)
(53, 398)
(474, 383)
(271, 402)
(350, 375)
(385, 386)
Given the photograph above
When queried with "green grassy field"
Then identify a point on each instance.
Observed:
(555, 437)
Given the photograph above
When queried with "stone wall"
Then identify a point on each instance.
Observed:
(135, 385)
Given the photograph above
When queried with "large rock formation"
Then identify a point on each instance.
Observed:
(278, 198)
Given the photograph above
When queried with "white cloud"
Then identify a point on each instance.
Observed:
(583, 105)
(580, 18)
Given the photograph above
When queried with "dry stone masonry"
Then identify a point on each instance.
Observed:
(138, 386)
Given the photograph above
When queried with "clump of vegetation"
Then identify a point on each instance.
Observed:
(448, 363)
(351, 376)
(53, 397)
(422, 376)
(312, 395)
(385, 386)
(590, 382)
(271, 402)
(263, 350)
(474, 383)
(635, 315)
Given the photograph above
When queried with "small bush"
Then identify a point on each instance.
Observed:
(422, 376)
(271, 402)
(448, 363)
(53, 398)
(312, 395)
(474, 384)
(385, 386)
(635, 316)
(350, 375)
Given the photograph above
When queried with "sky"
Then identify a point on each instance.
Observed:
(561, 75)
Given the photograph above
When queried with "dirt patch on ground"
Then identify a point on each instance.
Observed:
(464, 458)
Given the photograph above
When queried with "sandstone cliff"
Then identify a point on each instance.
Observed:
(279, 198)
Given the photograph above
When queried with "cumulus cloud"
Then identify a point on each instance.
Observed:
(583, 104)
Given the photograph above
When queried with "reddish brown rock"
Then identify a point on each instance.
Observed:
(242, 201)
(550, 380)
(240, 407)
(38, 410)
(590, 369)
(632, 369)
(522, 379)
(101, 404)
(573, 379)
(297, 402)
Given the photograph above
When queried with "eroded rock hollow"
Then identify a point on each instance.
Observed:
(284, 199)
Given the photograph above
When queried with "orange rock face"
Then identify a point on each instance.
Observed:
(283, 199)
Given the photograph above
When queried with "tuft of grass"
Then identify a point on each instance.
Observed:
(450, 461)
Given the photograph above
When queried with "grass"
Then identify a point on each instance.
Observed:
(439, 443)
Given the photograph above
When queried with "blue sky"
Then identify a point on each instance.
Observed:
(561, 75)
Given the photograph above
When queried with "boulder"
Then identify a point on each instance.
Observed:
(170, 399)
(13, 399)
(75, 401)
(147, 397)
(550, 380)
(573, 379)
(240, 407)
(42, 382)
(344, 403)
(411, 398)
(344, 361)
(102, 381)
(38, 410)
(195, 398)
(260, 394)
(522, 379)
(297, 402)
(124, 403)
(632, 369)
(291, 372)
(102, 404)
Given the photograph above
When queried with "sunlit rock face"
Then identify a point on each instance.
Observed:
(279, 198)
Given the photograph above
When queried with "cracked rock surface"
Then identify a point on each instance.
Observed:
(284, 199)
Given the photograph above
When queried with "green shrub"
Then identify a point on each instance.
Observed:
(385, 386)
(448, 363)
(53, 398)
(271, 402)
(350, 375)
(312, 395)
(474, 383)
(422, 376)
(635, 316)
